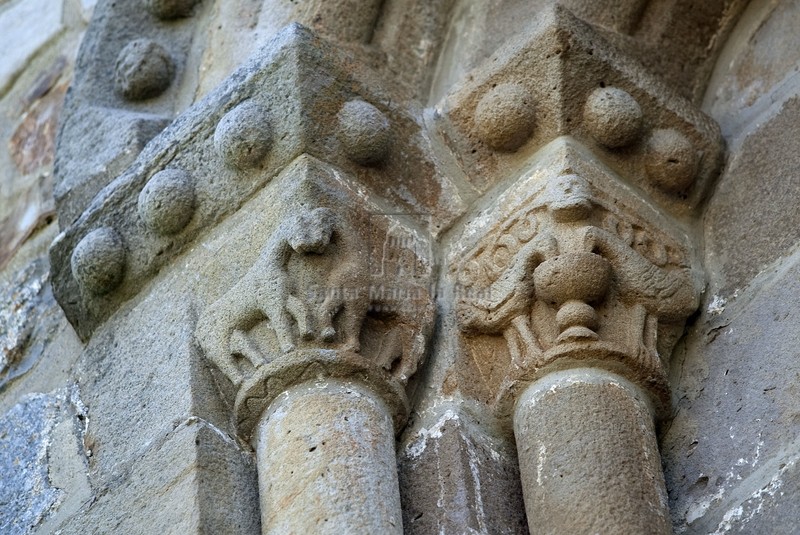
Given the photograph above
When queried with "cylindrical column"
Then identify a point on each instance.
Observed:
(588, 456)
(326, 462)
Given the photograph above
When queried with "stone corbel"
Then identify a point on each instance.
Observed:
(574, 283)
(221, 151)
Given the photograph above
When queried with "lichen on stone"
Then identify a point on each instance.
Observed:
(24, 303)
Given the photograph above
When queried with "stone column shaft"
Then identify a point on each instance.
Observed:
(588, 456)
(326, 462)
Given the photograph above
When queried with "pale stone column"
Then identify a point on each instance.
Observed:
(326, 462)
(588, 455)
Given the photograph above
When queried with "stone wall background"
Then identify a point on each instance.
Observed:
(41, 450)
(730, 452)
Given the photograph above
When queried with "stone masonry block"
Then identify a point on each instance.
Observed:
(25, 27)
(26, 493)
(454, 479)
(752, 219)
(772, 508)
(563, 79)
(735, 397)
(757, 67)
(150, 385)
(192, 480)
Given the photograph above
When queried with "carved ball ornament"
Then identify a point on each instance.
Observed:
(166, 203)
(505, 117)
(243, 136)
(144, 69)
(672, 160)
(364, 131)
(572, 277)
(613, 117)
(98, 261)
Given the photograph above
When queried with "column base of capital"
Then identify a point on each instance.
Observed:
(269, 381)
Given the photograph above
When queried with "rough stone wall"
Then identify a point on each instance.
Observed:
(42, 453)
(731, 451)
(118, 436)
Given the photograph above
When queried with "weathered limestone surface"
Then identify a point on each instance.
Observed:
(194, 479)
(25, 27)
(27, 494)
(678, 40)
(30, 106)
(327, 462)
(573, 419)
(759, 185)
(126, 90)
(156, 380)
(737, 414)
(26, 305)
(758, 60)
(770, 509)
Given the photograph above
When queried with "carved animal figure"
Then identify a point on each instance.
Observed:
(510, 295)
(347, 294)
(403, 346)
(509, 301)
(667, 294)
(269, 291)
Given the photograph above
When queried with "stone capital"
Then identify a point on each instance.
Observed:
(339, 290)
(576, 270)
(592, 170)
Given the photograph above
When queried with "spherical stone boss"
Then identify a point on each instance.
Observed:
(244, 136)
(144, 69)
(98, 261)
(166, 203)
(670, 161)
(505, 117)
(364, 131)
(613, 117)
(572, 277)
